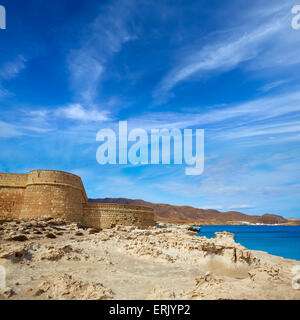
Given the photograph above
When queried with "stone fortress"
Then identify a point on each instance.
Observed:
(58, 194)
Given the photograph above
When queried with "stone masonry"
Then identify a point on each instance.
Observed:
(58, 194)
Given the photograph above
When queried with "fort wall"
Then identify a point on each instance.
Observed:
(58, 194)
(55, 194)
(12, 188)
(109, 215)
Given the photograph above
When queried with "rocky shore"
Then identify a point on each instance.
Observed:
(50, 259)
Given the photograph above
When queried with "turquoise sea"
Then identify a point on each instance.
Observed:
(281, 241)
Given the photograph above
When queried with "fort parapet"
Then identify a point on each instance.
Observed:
(58, 194)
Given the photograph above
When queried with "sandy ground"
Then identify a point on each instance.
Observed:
(51, 259)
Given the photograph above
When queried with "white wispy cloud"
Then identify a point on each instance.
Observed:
(212, 206)
(272, 85)
(242, 206)
(262, 130)
(45, 122)
(108, 32)
(77, 112)
(220, 57)
(8, 130)
(27, 125)
(3, 92)
(11, 69)
(245, 114)
(255, 44)
(8, 71)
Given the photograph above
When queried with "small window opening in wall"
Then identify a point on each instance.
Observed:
(39, 174)
(0, 178)
(18, 179)
(13, 203)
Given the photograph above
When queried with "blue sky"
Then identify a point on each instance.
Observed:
(70, 68)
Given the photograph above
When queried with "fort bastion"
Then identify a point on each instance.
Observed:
(58, 194)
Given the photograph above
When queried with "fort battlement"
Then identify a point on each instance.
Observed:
(58, 194)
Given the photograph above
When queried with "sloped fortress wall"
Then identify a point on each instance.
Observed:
(59, 194)
(109, 215)
(53, 193)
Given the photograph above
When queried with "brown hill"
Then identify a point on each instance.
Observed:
(187, 214)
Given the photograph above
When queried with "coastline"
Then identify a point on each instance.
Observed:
(238, 223)
(163, 262)
(280, 240)
(188, 222)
